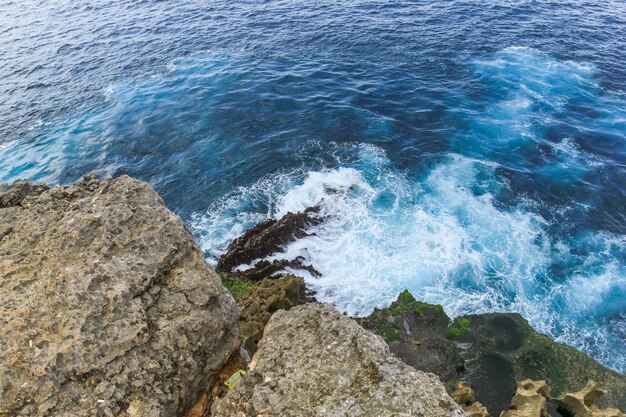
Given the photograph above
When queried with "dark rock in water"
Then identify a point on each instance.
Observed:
(266, 269)
(107, 306)
(268, 238)
(417, 333)
(490, 352)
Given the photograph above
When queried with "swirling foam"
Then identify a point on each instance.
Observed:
(443, 237)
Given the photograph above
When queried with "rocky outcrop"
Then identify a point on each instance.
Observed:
(266, 239)
(488, 351)
(530, 400)
(464, 396)
(263, 300)
(417, 333)
(583, 403)
(313, 361)
(502, 348)
(106, 303)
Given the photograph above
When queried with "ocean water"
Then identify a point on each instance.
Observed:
(473, 152)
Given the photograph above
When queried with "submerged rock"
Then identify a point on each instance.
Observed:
(266, 239)
(583, 403)
(530, 400)
(107, 305)
(313, 361)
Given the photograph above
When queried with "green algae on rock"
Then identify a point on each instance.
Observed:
(505, 349)
(261, 301)
(416, 333)
(489, 351)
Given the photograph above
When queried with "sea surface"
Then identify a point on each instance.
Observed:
(473, 152)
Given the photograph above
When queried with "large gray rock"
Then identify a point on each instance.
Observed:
(312, 361)
(107, 307)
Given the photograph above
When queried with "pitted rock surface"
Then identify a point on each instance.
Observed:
(583, 403)
(107, 307)
(530, 400)
(313, 361)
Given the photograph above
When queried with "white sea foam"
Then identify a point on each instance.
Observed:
(442, 236)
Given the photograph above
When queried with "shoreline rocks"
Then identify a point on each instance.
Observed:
(107, 305)
(266, 239)
(108, 309)
(490, 352)
(313, 361)
(530, 400)
(583, 403)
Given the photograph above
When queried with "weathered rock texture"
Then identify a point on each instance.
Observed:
(530, 400)
(266, 239)
(107, 307)
(264, 299)
(464, 396)
(502, 348)
(312, 361)
(488, 351)
(417, 333)
(583, 403)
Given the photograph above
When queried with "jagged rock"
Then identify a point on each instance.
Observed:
(266, 269)
(264, 299)
(464, 396)
(268, 238)
(530, 400)
(313, 361)
(417, 333)
(476, 409)
(13, 194)
(583, 403)
(107, 307)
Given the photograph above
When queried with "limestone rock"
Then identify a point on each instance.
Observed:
(530, 400)
(265, 298)
(476, 409)
(313, 361)
(502, 348)
(107, 307)
(464, 396)
(583, 403)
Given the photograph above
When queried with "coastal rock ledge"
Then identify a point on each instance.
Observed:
(107, 307)
(313, 361)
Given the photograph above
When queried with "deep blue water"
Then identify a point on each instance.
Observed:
(473, 152)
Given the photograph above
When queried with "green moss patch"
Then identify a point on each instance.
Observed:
(238, 287)
(406, 302)
(459, 327)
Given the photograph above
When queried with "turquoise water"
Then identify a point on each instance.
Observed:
(474, 154)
